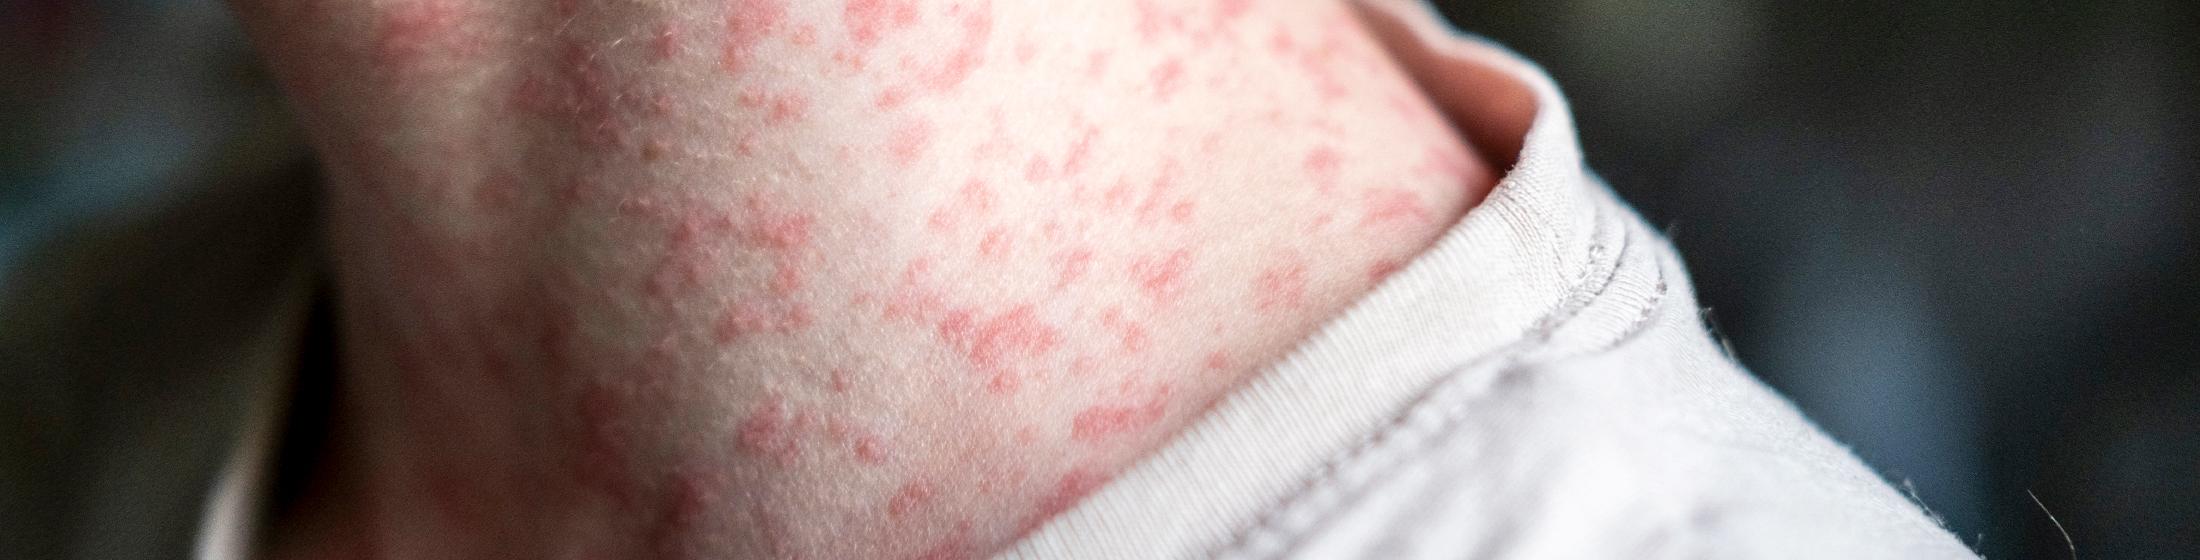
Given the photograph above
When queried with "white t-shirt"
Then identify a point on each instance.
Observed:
(1537, 385)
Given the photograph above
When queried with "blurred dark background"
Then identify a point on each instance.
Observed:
(1964, 237)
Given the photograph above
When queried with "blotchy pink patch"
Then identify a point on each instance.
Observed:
(870, 449)
(768, 433)
(1079, 152)
(748, 22)
(1100, 421)
(778, 108)
(1382, 269)
(1073, 486)
(1161, 276)
(1152, 22)
(912, 495)
(1323, 164)
(974, 199)
(411, 31)
(748, 317)
(1280, 287)
(977, 33)
(868, 20)
(995, 342)
(769, 227)
(995, 245)
(1131, 332)
(907, 142)
(1035, 169)
(1074, 263)
(1392, 205)
(603, 448)
(1166, 78)
(1217, 361)
(666, 44)
(687, 497)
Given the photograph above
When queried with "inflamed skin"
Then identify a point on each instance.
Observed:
(820, 279)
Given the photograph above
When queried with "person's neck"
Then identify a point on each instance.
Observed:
(882, 280)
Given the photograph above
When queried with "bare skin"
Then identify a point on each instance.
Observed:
(873, 278)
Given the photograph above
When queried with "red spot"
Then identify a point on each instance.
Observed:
(411, 31)
(869, 449)
(1181, 213)
(992, 344)
(666, 44)
(1227, 11)
(914, 304)
(1074, 264)
(977, 31)
(1002, 383)
(1323, 163)
(770, 228)
(1382, 269)
(995, 244)
(748, 22)
(1166, 78)
(1133, 334)
(604, 450)
(891, 97)
(1104, 420)
(912, 495)
(908, 141)
(778, 108)
(687, 497)
(744, 318)
(767, 433)
(1150, 209)
(838, 380)
(1161, 276)
(1280, 287)
(1096, 65)
(1025, 50)
(1073, 486)
(975, 198)
(1117, 196)
(1151, 22)
(581, 92)
(1392, 205)
(1035, 170)
(1079, 151)
(1218, 361)
(1280, 42)
(867, 20)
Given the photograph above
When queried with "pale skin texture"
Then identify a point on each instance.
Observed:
(821, 279)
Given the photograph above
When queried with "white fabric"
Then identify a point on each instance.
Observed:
(1537, 385)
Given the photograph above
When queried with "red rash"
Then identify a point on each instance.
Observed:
(993, 343)
(908, 141)
(1099, 422)
(413, 31)
(1162, 276)
(748, 23)
(832, 278)
(911, 496)
(977, 30)
(1282, 287)
(867, 20)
